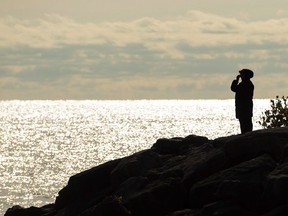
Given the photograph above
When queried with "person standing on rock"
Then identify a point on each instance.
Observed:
(244, 99)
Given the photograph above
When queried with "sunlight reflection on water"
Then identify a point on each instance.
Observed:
(43, 143)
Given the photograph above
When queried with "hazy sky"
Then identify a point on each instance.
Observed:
(141, 49)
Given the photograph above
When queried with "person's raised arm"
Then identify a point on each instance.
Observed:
(234, 84)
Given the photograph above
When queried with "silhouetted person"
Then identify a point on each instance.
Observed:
(244, 99)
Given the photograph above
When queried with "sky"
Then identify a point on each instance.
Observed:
(136, 49)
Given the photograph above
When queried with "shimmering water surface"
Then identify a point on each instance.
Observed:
(43, 143)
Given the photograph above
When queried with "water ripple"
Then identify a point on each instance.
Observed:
(43, 143)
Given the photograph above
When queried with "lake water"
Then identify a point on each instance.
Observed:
(43, 143)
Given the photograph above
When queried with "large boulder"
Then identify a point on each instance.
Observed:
(178, 145)
(239, 175)
(32, 211)
(276, 189)
(135, 165)
(243, 147)
(86, 189)
(110, 206)
(158, 198)
(243, 183)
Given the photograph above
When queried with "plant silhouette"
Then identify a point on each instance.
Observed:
(277, 116)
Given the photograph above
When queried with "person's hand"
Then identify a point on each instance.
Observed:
(238, 77)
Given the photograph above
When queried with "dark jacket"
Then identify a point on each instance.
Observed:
(243, 98)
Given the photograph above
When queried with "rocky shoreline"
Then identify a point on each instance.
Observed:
(240, 175)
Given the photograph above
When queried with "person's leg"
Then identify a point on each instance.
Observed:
(246, 124)
(242, 125)
(249, 124)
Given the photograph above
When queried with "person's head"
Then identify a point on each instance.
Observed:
(246, 74)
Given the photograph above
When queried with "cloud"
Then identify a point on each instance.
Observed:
(144, 58)
(143, 87)
(196, 28)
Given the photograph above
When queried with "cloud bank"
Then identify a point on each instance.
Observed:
(192, 56)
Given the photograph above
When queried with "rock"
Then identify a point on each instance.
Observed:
(278, 211)
(243, 183)
(243, 147)
(202, 162)
(158, 198)
(132, 186)
(245, 175)
(178, 145)
(47, 210)
(226, 208)
(86, 188)
(195, 140)
(168, 146)
(135, 165)
(110, 206)
(275, 192)
(185, 212)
